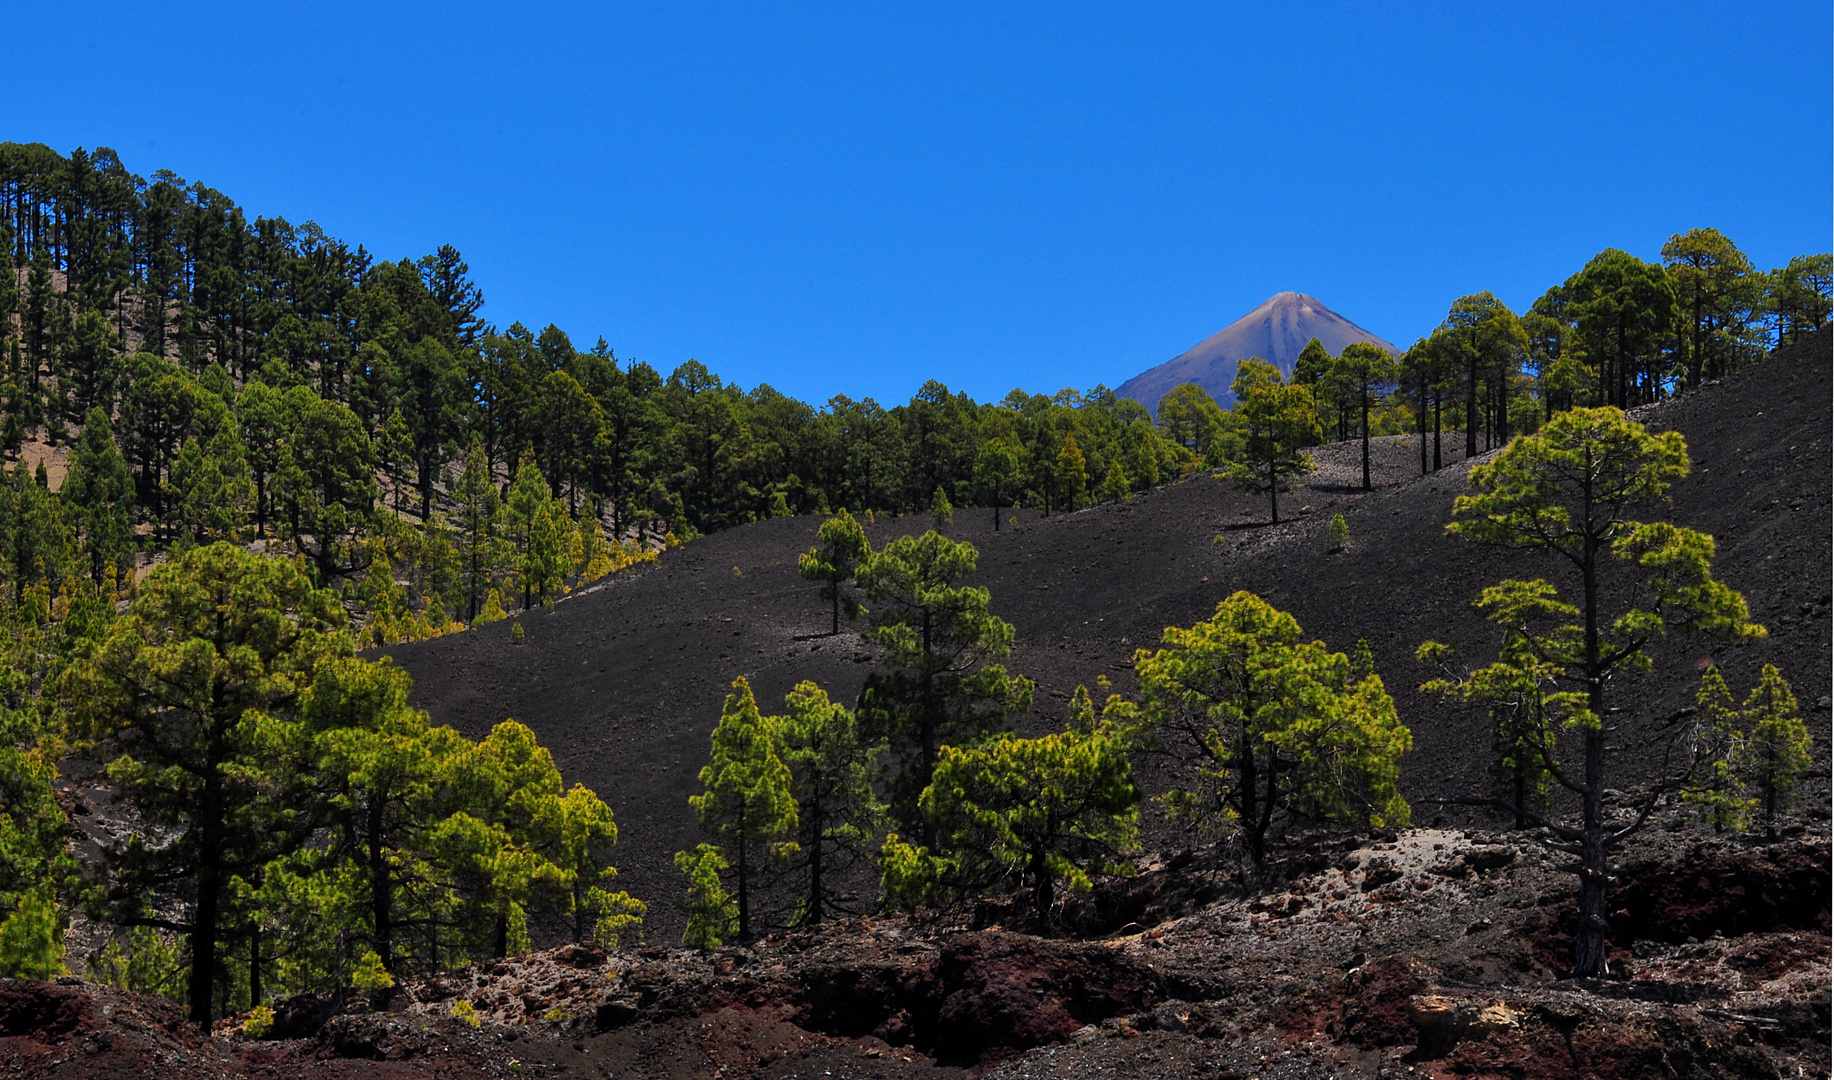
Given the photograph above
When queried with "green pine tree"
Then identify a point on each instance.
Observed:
(1278, 423)
(1775, 756)
(1569, 490)
(1115, 487)
(99, 494)
(831, 771)
(1072, 472)
(479, 521)
(1037, 811)
(832, 562)
(1714, 784)
(1280, 729)
(748, 807)
(940, 643)
(712, 914)
(213, 636)
(942, 513)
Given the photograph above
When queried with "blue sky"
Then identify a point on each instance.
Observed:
(855, 198)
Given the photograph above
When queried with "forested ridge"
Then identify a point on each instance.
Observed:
(265, 381)
(276, 449)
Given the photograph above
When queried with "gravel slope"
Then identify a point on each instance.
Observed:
(625, 682)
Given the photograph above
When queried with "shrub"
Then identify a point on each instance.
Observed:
(370, 975)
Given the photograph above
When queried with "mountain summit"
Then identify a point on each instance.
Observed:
(1276, 331)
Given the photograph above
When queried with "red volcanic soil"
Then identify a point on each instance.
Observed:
(624, 682)
(1420, 955)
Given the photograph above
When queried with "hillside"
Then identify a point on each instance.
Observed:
(1276, 330)
(1432, 952)
(625, 682)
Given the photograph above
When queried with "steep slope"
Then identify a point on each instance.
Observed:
(1275, 331)
(625, 683)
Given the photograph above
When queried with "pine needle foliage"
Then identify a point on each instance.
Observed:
(842, 544)
(1569, 490)
(748, 807)
(1279, 729)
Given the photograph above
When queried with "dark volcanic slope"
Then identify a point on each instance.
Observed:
(625, 682)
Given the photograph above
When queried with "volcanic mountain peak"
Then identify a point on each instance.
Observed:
(1276, 330)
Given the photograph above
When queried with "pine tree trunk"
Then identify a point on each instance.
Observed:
(380, 894)
(1502, 405)
(1249, 795)
(1594, 879)
(1594, 875)
(1273, 491)
(254, 966)
(1471, 410)
(812, 916)
(744, 889)
(1043, 888)
(1422, 428)
(209, 886)
(1437, 401)
(1366, 442)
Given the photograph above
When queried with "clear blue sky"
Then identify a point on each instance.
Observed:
(854, 198)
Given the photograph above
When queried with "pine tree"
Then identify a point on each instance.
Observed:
(748, 807)
(479, 519)
(712, 914)
(1706, 270)
(524, 511)
(1479, 336)
(1310, 366)
(581, 827)
(261, 421)
(592, 555)
(996, 472)
(1776, 753)
(210, 494)
(211, 637)
(1714, 784)
(1115, 487)
(1366, 369)
(1622, 307)
(395, 455)
(942, 513)
(1191, 418)
(1569, 490)
(1072, 471)
(940, 642)
(99, 494)
(1278, 423)
(1037, 811)
(545, 560)
(326, 488)
(833, 562)
(831, 769)
(1279, 728)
